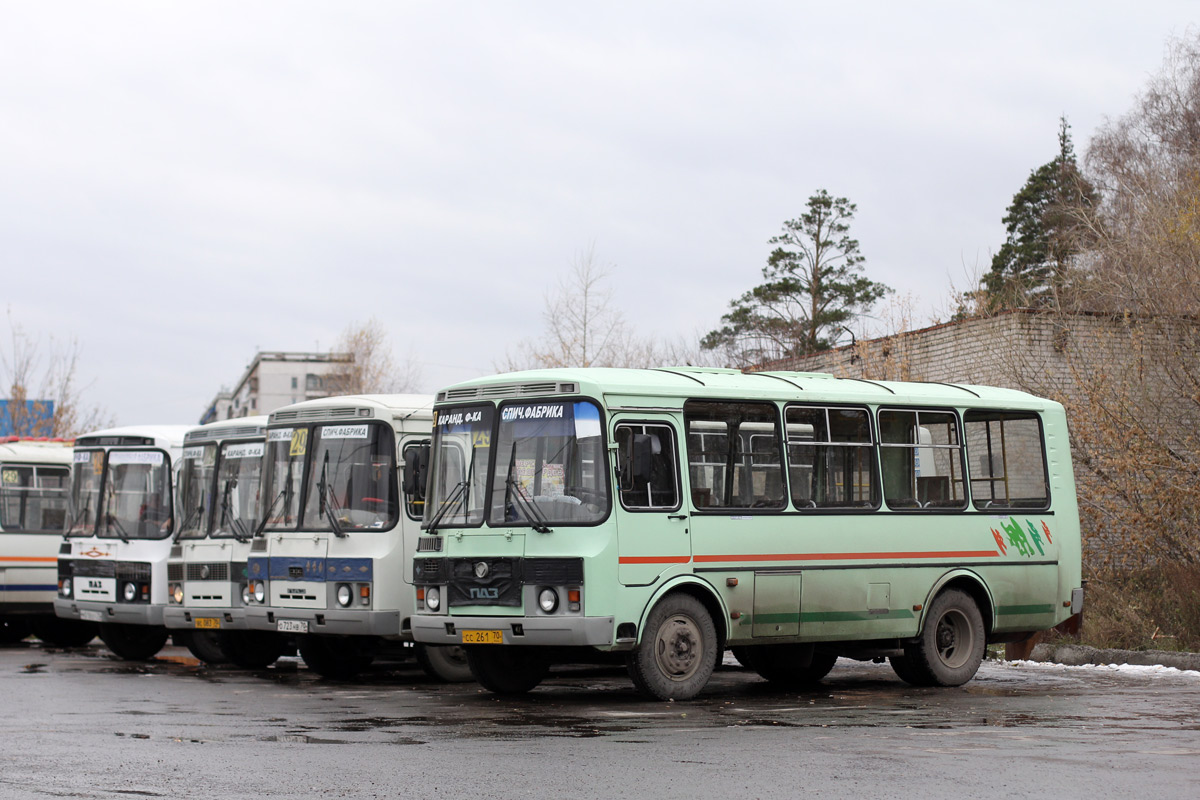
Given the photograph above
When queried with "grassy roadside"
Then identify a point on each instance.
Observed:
(1148, 609)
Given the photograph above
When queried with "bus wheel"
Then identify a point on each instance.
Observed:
(204, 645)
(252, 649)
(678, 651)
(338, 657)
(506, 669)
(795, 665)
(950, 647)
(133, 642)
(12, 630)
(744, 655)
(905, 671)
(446, 663)
(63, 632)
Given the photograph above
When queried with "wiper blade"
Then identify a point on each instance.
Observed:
(536, 519)
(458, 491)
(270, 510)
(195, 512)
(111, 522)
(328, 503)
(236, 526)
(82, 513)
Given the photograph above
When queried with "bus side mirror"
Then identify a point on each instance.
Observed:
(416, 471)
(641, 457)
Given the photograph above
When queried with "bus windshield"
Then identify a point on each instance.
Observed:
(238, 479)
(462, 439)
(283, 473)
(86, 474)
(352, 479)
(195, 490)
(33, 499)
(136, 496)
(549, 465)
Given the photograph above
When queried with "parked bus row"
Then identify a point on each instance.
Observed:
(521, 520)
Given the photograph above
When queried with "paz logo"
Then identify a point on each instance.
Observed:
(94, 553)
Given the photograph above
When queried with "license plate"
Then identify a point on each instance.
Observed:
(91, 616)
(207, 622)
(292, 626)
(483, 637)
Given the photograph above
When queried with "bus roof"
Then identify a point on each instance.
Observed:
(347, 408)
(164, 436)
(35, 451)
(237, 428)
(620, 386)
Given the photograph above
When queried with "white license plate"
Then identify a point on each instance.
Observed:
(91, 616)
(291, 626)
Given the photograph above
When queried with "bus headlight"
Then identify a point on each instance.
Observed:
(177, 593)
(64, 587)
(129, 590)
(548, 600)
(433, 598)
(260, 592)
(344, 596)
(245, 595)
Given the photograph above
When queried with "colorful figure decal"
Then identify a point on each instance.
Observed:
(1000, 542)
(1017, 538)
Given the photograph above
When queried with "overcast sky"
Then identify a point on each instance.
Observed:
(183, 184)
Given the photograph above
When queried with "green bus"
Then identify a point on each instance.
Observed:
(795, 518)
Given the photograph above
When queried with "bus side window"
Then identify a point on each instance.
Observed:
(831, 458)
(922, 459)
(734, 455)
(1007, 459)
(646, 467)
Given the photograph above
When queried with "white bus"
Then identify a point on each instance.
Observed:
(331, 561)
(207, 586)
(34, 476)
(112, 568)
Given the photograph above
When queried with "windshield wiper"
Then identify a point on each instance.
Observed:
(236, 527)
(195, 512)
(111, 522)
(82, 513)
(270, 510)
(460, 493)
(328, 506)
(536, 519)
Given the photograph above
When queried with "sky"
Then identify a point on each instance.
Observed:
(184, 184)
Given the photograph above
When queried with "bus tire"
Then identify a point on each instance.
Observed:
(950, 647)
(678, 651)
(133, 642)
(905, 671)
(13, 630)
(252, 649)
(507, 669)
(338, 657)
(793, 665)
(63, 632)
(444, 662)
(204, 645)
(744, 655)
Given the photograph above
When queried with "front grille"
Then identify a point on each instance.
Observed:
(501, 586)
(309, 414)
(208, 572)
(174, 572)
(554, 571)
(94, 569)
(429, 570)
(508, 390)
(242, 432)
(133, 571)
(429, 544)
(258, 546)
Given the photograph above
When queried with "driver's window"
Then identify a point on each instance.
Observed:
(646, 467)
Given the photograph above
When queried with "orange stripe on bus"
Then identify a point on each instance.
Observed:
(654, 559)
(850, 556)
(50, 560)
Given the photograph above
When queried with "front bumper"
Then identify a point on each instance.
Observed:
(564, 631)
(121, 613)
(178, 617)
(348, 622)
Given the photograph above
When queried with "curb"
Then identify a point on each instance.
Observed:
(1076, 655)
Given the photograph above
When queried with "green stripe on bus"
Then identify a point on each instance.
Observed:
(824, 616)
(1032, 609)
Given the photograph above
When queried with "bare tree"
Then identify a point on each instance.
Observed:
(371, 367)
(44, 398)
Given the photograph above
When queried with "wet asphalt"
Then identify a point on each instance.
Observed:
(80, 723)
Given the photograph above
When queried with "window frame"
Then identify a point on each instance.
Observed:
(872, 446)
(1020, 414)
(730, 467)
(674, 445)
(961, 447)
(37, 469)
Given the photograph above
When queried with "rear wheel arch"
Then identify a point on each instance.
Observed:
(976, 588)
